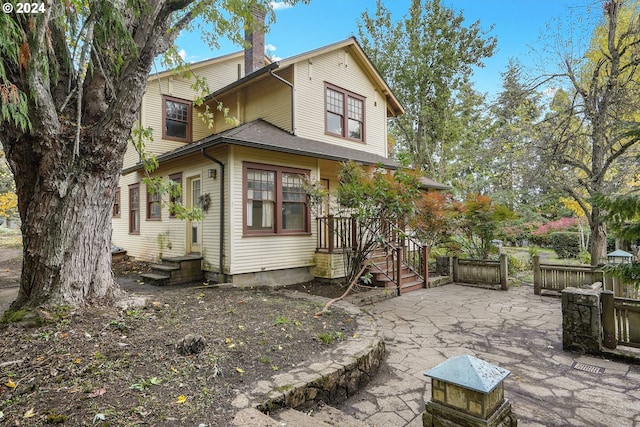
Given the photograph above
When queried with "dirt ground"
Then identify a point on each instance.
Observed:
(111, 367)
(10, 265)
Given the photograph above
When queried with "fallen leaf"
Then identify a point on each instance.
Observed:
(30, 413)
(181, 399)
(240, 370)
(232, 345)
(97, 392)
(10, 383)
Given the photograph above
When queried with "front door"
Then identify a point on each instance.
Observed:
(194, 228)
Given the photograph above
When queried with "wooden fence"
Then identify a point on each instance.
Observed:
(556, 277)
(482, 272)
(620, 321)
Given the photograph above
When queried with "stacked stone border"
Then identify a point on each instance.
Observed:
(334, 376)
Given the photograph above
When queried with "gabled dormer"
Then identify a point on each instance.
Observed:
(333, 94)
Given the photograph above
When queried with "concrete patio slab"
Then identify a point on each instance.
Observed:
(515, 330)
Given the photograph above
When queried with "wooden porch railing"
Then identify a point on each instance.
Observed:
(335, 233)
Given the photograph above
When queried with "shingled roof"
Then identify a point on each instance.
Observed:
(263, 135)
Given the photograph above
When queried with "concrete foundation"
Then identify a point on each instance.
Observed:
(289, 276)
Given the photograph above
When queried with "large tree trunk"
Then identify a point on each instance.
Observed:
(598, 238)
(81, 108)
(65, 206)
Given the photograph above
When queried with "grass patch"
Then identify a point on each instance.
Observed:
(10, 239)
(329, 338)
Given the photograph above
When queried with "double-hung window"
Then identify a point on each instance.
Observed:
(134, 209)
(344, 113)
(176, 119)
(116, 204)
(154, 205)
(275, 200)
(175, 198)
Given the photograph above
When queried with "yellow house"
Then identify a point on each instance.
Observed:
(294, 119)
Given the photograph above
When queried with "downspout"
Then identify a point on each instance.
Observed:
(222, 197)
(293, 91)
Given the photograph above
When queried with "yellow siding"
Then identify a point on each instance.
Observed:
(338, 68)
(217, 73)
(270, 100)
(264, 253)
(145, 246)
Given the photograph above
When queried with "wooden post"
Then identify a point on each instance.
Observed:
(399, 251)
(504, 272)
(455, 269)
(331, 231)
(608, 320)
(537, 275)
(354, 234)
(618, 289)
(425, 273)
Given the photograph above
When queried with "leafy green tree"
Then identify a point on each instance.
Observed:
(623, 215)
(586, 149)
(510, 155)
(435, 217)
(427, 59)
(71, 84)
(481, 217)
(374, 199)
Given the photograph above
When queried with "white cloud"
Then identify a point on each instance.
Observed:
(182, 53)
(550, 92)
(269, 47)
(278, 5)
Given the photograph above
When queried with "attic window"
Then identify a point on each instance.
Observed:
(176, 119)
(344, 113)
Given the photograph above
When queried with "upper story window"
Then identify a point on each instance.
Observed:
(344, 113)
(176, 119)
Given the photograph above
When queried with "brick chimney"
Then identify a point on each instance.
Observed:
(254, 36)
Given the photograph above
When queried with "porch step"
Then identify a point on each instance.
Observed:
(411, 286)
(163, 267)
(176, 271)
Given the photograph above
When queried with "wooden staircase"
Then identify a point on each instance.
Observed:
(385, 272)
(175, 271)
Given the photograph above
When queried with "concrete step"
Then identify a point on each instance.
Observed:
(324, 416)
(164, 268)
(335, 417)
(156, 279)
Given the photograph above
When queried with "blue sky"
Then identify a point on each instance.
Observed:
(518, 25)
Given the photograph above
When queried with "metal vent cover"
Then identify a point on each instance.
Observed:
(587, 368)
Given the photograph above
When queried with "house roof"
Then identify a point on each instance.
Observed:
(393, 104)
(264, 135)
(200, 64)
(429, 183)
